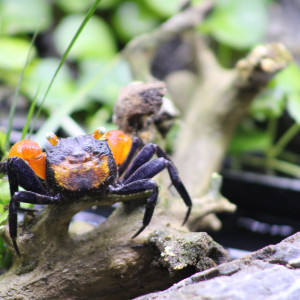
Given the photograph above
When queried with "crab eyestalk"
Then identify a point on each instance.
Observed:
(99, 132)
(52, 138)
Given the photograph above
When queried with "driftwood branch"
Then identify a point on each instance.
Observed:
(106, 263)
(217, 105)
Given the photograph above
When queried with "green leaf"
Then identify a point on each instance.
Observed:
(166, 8)
(240, 24)
(131, 19)
(39, 73)
(19, 16)
(108, 4)
(288, 80)
(249, 140)
(293, 105)
(2, 142)
(100, 118)
(3, 217)
(4, 192)
(107, 87)
(72, 6)
(80, 6)
(95, 40)
(270, 103)
(13, 53)
(195, 2)
(27, 205)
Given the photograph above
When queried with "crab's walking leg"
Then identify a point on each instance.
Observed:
(142, 167)
(25, 197)
(136, 187)
(20, 174)
(144, 156)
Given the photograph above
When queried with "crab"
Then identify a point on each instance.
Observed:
(85, 167)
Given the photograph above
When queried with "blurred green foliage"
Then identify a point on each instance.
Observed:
(94, 71)
(282, 93)
(236, 27)
(96, 42)
(23, 17)
(239, 24)
(260, 134)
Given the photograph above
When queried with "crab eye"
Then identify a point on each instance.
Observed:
(99, 132)
(52, 138)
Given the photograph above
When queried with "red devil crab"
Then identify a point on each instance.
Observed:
(85, 167)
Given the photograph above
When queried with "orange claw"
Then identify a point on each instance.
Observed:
(119, 143)
(31, 152)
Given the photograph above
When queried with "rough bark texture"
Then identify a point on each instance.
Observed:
(106, 263)
(137, 105)
(270, 273)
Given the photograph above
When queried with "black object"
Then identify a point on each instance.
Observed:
(268, 210)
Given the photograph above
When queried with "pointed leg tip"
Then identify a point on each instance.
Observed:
(138, 232)
(187, 215)
(16, 248)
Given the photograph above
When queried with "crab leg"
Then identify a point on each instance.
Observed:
(140, 186)
(21, 174)
(26, 197)
(142, 168)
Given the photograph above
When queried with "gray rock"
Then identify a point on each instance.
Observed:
(270, 273)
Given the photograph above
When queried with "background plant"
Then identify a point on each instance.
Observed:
(235, 27)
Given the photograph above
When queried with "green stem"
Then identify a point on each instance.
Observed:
(272, 129)
(289, 156)
(284, 140)
(279, 165)
(285, 167)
